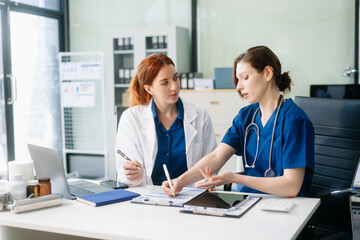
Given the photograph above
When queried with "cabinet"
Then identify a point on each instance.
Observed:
(222, 106)
(129, 47)
(83, 113)
(126, 48)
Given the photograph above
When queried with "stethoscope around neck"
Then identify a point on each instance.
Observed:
(269, 172)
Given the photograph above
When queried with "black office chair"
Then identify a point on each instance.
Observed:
(119, 111)
(337, 150)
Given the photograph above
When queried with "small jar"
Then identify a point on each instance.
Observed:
(33, 188)
(45, 186)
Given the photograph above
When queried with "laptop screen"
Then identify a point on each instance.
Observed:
(337, 91)
(47, 163)
(356, 182)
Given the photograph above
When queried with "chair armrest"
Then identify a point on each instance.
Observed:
(338, 193)
(352, 191)
(227, 187)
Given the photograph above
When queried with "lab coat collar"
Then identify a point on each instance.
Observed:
(189, 120)
(148, 112)
(189, 112)
(151, 141)
(180, 109)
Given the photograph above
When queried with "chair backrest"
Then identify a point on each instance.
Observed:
(337, 149)
(337, 140)
(119, 110)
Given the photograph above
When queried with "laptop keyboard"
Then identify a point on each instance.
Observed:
(77, 191)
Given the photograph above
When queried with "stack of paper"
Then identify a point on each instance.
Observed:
(160, 198)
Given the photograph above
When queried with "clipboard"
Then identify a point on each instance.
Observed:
(221, 204)
(159, 198)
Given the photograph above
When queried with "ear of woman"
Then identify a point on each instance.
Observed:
(148, 89)
(269, 72)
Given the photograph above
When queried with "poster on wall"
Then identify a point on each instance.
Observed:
(80, 70)
(78, 94)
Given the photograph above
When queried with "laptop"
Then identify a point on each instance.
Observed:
(47, 163)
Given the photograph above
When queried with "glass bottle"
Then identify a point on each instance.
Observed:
(33, 188)
(45, 186)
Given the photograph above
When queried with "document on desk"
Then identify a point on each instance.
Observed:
(159, 198)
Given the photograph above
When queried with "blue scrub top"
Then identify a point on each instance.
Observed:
(293, 145)
(171, 147)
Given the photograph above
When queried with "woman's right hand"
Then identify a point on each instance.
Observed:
(133, 171)
(171, 191)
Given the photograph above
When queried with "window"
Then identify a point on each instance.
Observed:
(30, 71)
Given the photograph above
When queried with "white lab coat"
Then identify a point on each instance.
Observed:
(137, 138)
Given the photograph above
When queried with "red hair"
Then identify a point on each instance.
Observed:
(146, 72)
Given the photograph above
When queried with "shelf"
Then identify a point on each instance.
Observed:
(156, 50)
(122, 85)
(123, 51)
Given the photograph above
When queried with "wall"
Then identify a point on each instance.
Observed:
(90, 20)
(313, 39)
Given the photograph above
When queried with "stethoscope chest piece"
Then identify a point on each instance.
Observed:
(269, 173)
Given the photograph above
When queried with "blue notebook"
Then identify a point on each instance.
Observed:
(104, 198)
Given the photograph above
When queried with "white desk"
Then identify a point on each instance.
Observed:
(126, 220)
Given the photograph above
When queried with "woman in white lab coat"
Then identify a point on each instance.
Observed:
(160, 128)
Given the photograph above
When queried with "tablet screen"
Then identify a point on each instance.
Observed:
(216, 200)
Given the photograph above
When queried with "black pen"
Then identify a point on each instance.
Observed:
(127, 158)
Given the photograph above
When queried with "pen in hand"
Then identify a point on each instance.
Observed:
(127, 158)
(168, 178)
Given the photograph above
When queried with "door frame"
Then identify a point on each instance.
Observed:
(6, 47)
(357, 36)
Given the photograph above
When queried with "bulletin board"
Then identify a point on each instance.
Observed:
(82, 103)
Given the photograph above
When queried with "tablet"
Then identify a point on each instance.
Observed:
(225, 204)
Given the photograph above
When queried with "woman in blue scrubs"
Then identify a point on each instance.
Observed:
(273, 135)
